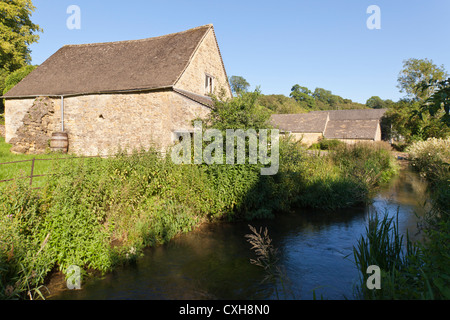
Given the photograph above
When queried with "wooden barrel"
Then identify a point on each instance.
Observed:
(59, 142)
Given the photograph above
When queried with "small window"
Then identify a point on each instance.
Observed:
(209, 84)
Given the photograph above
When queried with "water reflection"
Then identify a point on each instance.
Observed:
(213, 261)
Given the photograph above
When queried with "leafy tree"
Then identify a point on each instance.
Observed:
(17, 76)
(241, 112)
(278, 103)
(414, 73)
(3, 75)
(17, 32)
(439, 102)
(238, 84)
(322, 95)
(410, 122)
(303, 94)
(375, 102)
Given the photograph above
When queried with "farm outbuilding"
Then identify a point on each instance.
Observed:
(349, 126)
(127, 94)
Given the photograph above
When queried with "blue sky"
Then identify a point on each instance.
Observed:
(273, 44)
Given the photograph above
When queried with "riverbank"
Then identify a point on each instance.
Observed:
(101, 213)
(213, 260)
(414, 269)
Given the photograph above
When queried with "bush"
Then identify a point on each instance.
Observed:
(367, 162)
(430, 157)
(327, 144)
(17, 76)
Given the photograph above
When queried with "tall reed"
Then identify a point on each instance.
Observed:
(268, 258)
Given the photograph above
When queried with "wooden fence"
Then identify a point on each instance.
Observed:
(33, 161)
(32, 167)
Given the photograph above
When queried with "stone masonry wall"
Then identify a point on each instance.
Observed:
(35, 130)
(101, 124)
(206, 60)
(308, 138)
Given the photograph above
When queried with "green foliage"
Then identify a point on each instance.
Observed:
(327, 144)
(280, 104)
(408, 270)
(3, 75)
(413, 270)
(412, 124)
(367, 162)
(238, 84)
(302, 94)
(242, 112)
(375, 102)
(384, 246)
(438, 105)
(431, 159)
(15, 77)
(414, 73)
(17, 32)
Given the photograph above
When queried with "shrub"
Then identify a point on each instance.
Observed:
(327, 144)
(17, 76)
(430, 157)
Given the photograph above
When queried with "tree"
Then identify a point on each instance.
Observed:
(414, 73)
(278, 103)
(17, 32)
(410, 121)
(322, 95)
(238, 84)
(375, 102)
(439, 102)
(17, 76)
(303, 94)
(241, 112)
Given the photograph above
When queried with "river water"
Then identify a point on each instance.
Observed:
(213, 262)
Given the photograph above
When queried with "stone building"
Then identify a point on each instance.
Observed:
(349, 126)
(127, 94)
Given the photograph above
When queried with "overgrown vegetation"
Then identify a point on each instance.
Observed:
(413, 270)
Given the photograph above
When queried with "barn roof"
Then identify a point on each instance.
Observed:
(123, 66)
(351, 129)
(334, 124)
(301, 122)
(354, 114)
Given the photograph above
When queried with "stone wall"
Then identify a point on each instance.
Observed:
(308, 138)
(35, 129)
(101, 124)
(206, 60)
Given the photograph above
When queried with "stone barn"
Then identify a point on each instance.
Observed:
(126, 94)
(349, 126)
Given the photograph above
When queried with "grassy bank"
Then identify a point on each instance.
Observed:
(99, 213)
(413, 270)
(22, 169)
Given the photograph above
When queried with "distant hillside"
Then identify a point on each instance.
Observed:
(278, 103)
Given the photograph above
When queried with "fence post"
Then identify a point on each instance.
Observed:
(32, 171)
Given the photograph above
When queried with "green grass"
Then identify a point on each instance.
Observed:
(14, 170)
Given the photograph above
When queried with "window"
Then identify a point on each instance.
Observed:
(209, 84)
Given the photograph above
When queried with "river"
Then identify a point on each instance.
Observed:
(213, 262)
